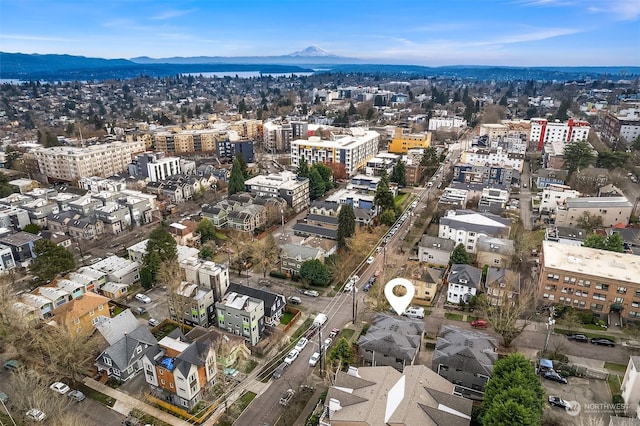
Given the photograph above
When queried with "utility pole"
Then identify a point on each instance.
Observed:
(550, 323)
(321, 350)
(353, 301)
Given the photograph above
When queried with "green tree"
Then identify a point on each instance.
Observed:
(589, 222)
(243, 165)
(146, 277)
(10, 156)
(315, 273)
(459, 255)
(561, 114)
(635, 145)
(316, 184)
(399, 174)
(388, 217)
(161, 248)
(341, 353)
(615, 242)
(346, 224)
(383, 198)
(326, 173)
(594, 241)
(51, 260)
(612, 159)
(303, 168)
(206, 253)
(206, 229)
(236, 180)
(31, 228)
(513, 395)
(577, 156)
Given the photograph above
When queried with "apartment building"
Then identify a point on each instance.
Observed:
(351, 150)
(155, 166)
(612, 210)
(62, 163)
(277, 137)
(493, 157)
(543, 131)
(466, 226)
(447, 123)
(587, 278)
(554, 196)
(187, 141)
(623, 126)
(403, 142)
(285, 184)
(192, 304)
(242, 315)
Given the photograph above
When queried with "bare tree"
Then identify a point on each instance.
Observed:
(509, 315)
(179, 303)
(30, 389)
(266, 254)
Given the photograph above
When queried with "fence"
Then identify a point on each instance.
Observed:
(200, 418)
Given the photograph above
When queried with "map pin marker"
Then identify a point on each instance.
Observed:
(399, 303)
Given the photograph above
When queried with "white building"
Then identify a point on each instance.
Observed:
(285, 185)
(631, 387)
(72, 163)
(454, 196)
(447, 123)
(208, 274)
(466, 226)
(353, 151)
(543, 131)
(554, 195)
(497, 156)
(463, 283)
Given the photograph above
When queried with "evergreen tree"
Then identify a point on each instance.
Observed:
(243, 165)
(236, 180)
(383, 198)
(161, 247)
(326, 173)
(459, 255)
(399, 174)
(51, 260)
(316, 184)
(303, 168)
(577, 156)
(346, 224)
(315, 272)
(206, 229)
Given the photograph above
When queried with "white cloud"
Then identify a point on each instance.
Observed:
(36, 38)
(170, 14)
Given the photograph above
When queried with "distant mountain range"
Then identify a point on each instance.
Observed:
(66, 67)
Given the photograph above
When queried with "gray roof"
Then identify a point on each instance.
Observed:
(296, 250)
(19, 238)
(327, 205)
(123, 352)
(320, 218)
(429, 242)
(503, 246)
(487, 223)
(117, 327)
(467, 275)
(471, 351)
(398, 337)
(316, 230)
(597, 202)
(495, 276)
(270, 299)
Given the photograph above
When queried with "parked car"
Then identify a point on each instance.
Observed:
(295, 300)
(603, 342)
(277, 373)
(59, 387)
(552, 375)
(578, 338)
(348, 287)
(291, 356)
(311, 332)
(301, 344)
(143, 298)
(36, 415)
(311, 293)
(479, 323)
(314, 359)
(286, 396)
(367, 287)
(327, 342)
(4, 397)
(76, 395)
(370, 260)
(556, 401)
(141, 310)
(334, 332)
(12, 365)
(154, 322)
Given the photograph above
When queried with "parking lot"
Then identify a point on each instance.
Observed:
(591, 396)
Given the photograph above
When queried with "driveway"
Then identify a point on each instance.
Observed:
(592, 397)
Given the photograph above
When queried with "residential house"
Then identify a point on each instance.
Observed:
(217, 214)
(229, 348)
(435, 250)
(178, 370)
(554, 195)
(322, 221)
(115, 218)
(206, 273)
(113, 290)
(274, 304)
(115, 328)
(292, 256)
(566, 235)
(7, 261)
(39, 209)
(465, 358)
(630, 388)
(463, 283)
(427, 282)
(605, 282)
(81, 314)
(392, 341)
(90, 278)
(385, 396)
(192, 304)
(546, 177)
(43, 305)
(14, 218)
(185, 233)
(466, 226)
(119, 270)
(294, 189)
(57, 296)
(60, 238)
(122, 360)
(502, 286)
(241, 315)
(495, 252)
(455, 197)
(247, 219)
(21, 245)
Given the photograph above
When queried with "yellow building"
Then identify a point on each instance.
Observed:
(402, 142)
(79, 315)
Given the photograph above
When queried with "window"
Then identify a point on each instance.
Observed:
(622, 290)
(107, 361)
(602, 286)
(599, 296)
(76, 321)
(101, 307)
(596, 307)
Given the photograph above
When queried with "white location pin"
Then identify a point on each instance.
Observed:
(399, 303)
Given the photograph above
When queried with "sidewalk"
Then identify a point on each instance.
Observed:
(125, 403)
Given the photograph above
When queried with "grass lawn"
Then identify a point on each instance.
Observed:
(400, 199)
(302, 329)
(592, 327)
(248, 366)
(454, 317)
(614, 384)
(347, 333)
(117, 310)
(286, 318)
(147, 419)
(98, 396)
(616, 367)
(589, 335)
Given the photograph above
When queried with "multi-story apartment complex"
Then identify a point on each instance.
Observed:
(351, 150)
(277, 136)
(187, 141)
(543, 131)
(612, 210)
(241, 315)
(588, 278)
(466, 226)
(555, 195)
(493, 157)
(192, 304)
(70, 163)
(285, 184)
(621, 127)
(447, 123)
(155, 166)
(402, 142)
(486, 174)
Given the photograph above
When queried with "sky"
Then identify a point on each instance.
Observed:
(416, 32)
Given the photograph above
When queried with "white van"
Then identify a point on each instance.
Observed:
(415, 313)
